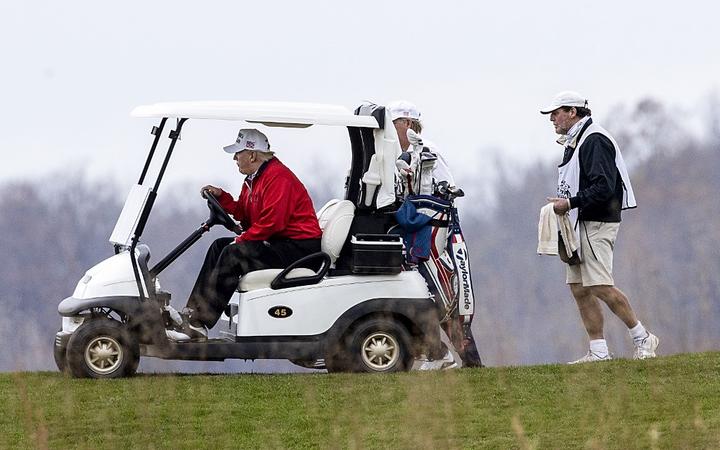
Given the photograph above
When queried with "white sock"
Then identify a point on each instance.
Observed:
(599, 347)
(638, 332)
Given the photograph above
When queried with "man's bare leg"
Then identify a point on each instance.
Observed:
(590, 310)
(617, 302)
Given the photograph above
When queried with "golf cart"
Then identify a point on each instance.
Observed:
(362, 310)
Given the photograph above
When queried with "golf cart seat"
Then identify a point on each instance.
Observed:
(335, 218)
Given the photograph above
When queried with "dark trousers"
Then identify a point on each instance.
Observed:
(225, 263)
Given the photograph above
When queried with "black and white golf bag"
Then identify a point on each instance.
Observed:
(434, 241)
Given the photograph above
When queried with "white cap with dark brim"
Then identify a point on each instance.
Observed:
(565, 98)
(249, 139)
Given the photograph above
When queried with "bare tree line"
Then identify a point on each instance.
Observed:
(668, 254)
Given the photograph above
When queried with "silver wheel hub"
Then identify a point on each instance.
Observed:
(103, 354)
(380, 351)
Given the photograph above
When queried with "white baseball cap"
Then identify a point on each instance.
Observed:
(565, 98)
(403, 109)
(249, 139)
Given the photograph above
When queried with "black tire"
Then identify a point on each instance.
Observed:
(60, 358)
(116, 353)
(379, 346)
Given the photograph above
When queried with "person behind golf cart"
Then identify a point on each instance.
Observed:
(425, 172)
(279, 223)
(406, 117)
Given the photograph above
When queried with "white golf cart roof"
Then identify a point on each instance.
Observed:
(277, 114)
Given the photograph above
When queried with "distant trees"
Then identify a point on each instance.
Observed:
(50, 233)
(668, 254)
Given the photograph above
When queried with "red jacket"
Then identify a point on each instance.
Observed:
(274, 205)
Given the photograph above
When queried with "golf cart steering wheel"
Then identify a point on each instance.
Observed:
(218, 216)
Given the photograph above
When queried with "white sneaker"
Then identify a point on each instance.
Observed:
(187, 332)
(177, 336)
(445, 363)
(592, 357)
(646, 348)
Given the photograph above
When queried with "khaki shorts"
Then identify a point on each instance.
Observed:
(597, 241)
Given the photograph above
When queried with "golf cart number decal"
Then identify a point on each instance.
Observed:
(280, 312)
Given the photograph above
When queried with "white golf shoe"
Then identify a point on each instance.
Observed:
(187, 332)
(592, 357)
(646, 348)
(445, 363)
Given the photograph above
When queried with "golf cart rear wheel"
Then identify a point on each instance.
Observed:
(102, 349)
(380, 346)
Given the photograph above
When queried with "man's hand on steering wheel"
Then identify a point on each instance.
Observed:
(215, 191)
(218, 216)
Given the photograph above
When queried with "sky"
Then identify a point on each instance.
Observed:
(479, 71)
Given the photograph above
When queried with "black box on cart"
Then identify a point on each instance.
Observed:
(376, 254)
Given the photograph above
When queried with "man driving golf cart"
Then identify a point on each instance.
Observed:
(360, 308)
(279, 223)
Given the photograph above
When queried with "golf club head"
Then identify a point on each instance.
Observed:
(402, 166)
(456, 191)
(427, 156)
(414, 138)
(442, 187)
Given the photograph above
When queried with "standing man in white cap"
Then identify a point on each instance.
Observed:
(593, 187)
(406, 116)
(280, 225)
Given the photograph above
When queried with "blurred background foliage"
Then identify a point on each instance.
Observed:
(667, 256)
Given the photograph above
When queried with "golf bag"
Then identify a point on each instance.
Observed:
(434, 241)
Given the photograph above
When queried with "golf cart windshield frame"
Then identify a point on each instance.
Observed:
(174, 135)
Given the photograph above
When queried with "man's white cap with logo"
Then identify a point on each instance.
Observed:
(565, 98)
(403, 109)
(249, 139)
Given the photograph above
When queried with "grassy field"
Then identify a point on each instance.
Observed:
(671, 402)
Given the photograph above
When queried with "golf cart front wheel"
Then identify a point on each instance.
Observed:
(102, 349)
(60, 358)
(380, 346)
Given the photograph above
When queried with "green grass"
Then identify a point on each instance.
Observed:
(670, 402)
